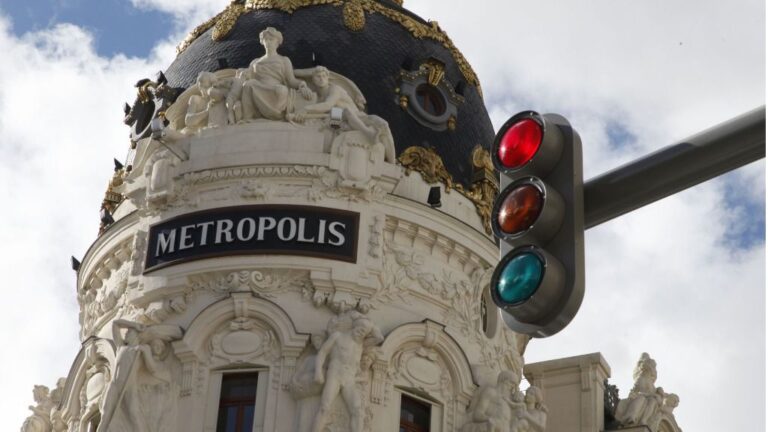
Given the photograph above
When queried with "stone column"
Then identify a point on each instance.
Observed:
(573, 391)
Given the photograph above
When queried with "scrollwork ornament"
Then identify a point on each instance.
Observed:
(428, 163)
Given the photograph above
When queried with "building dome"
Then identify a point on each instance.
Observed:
(407, 68)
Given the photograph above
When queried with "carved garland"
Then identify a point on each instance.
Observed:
(353, 14)
(484, 186)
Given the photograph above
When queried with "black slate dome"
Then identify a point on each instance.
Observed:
(375, 43)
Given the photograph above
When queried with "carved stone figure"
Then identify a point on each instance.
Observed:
(40, 420)
(97, 375)
(494, 407)
(669, 403)
(338, 363)
(332, 96)
(303, 387)
(141, 396)
(208, 108)
(266, 86)
(644, 399)
(534, 417)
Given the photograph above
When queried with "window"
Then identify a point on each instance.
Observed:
(237, 402)
(415, 415)
(430, 100)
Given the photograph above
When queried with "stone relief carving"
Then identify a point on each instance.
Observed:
(375, 236)
(402, 264)
(646, 403)
(338, 363)
(97, 377)
(99, 301)
(244, 339)
(142, 393)
(263, 283)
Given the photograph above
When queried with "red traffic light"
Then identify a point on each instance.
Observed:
(520, 143)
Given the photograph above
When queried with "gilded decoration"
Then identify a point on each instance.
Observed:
(112, 198)
(428, 163)
(353, 16)
(484, 186)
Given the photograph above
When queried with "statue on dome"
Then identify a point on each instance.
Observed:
(208, 108)
(333, 96)
(265, 88)
(271, 89)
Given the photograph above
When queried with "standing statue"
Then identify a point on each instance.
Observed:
(495, 407)
(266, 86)
(141, 396)
(644, 399)
(40, 420)
(337, 365)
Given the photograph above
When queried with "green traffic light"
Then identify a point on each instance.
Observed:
(520, 278)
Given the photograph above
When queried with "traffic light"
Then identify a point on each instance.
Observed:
(539, 220)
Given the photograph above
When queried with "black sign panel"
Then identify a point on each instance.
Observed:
(254, 230)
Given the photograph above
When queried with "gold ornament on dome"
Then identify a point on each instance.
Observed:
(112, 198)
(428, 163)
(224, 22)
(354, 15)
(484, 186)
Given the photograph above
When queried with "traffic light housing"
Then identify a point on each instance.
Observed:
(539, 220)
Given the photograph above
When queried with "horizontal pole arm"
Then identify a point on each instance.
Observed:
(715, 151)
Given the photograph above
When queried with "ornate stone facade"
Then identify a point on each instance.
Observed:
(334, 344)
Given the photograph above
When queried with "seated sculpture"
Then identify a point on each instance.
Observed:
(265, 87)
(644, 400)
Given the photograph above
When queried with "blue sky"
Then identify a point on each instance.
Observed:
(118, 26)
(617, 70)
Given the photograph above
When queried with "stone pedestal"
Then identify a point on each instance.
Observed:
(573, 391)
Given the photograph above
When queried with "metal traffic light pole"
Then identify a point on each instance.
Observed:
(715, 151)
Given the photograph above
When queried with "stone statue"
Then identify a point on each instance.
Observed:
(337, 365)
(97, 375)
(40, 420)
(141, 396)
(267, 85)
(207, 109)
(644, 399)
(534, 417)
(332, 96)
(669, 402)
(494, 407)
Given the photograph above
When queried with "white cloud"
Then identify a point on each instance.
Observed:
(662, 279)
(60, 127)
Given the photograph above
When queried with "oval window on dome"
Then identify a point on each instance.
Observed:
(431, 100)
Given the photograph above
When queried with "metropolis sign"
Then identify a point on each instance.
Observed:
(254, 230)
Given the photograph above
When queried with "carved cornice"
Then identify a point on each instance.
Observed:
(484, 186)
(353, 15)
